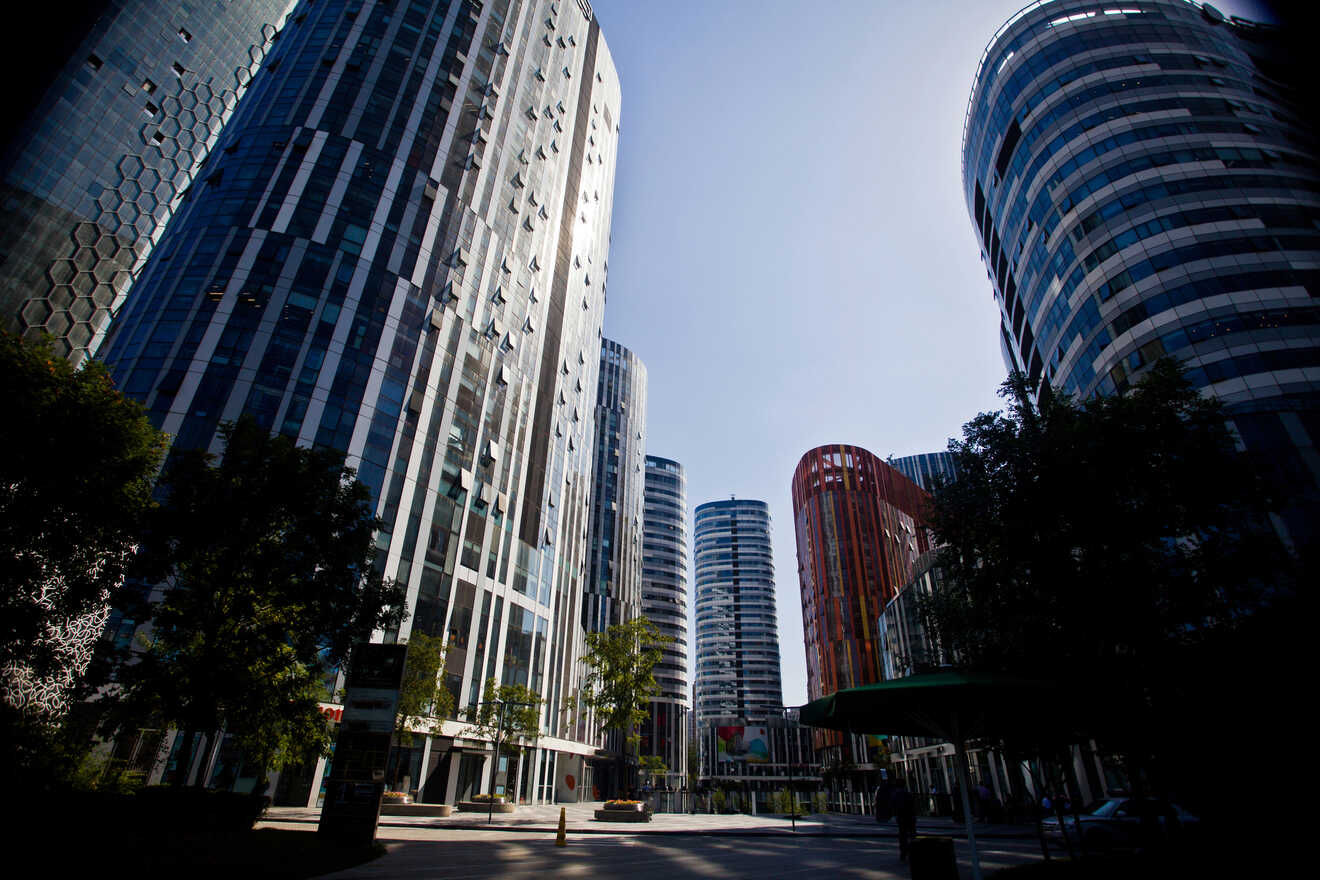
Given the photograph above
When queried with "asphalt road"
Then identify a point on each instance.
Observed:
(470, 855)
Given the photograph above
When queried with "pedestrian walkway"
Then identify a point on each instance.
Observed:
(580, 819)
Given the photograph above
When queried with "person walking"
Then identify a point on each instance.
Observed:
(904, 808)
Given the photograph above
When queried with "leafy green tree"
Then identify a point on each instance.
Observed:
(651, 767)
(508, 714)
(77, 460)
(422, 696)
(1100, 543)
(620, 678)
(263, 562)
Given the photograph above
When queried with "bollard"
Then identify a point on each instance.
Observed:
(561, 839)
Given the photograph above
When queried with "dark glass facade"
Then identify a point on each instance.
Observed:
(926, 468)
(858, 533)
(737, 670)
(1143, 183)
(665, 603)
(614, 574)
(398, 249)
(110, 138)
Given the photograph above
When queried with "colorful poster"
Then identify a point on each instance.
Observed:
(750, 744)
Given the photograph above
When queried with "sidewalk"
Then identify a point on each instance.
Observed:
(580, 819)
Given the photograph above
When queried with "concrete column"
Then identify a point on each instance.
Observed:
(426, 758)
(317, 776)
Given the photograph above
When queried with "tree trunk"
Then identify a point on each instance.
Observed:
(183, 761)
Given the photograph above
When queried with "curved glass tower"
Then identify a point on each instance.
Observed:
(857, 532)
(665, 603)
(113, 136)
(737, 671)
(923, 469)
(398, 250)
(1143, 183)
(614, 573)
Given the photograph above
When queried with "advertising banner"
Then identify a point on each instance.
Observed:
(749, 744)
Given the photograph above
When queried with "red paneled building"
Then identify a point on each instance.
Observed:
(858, 525)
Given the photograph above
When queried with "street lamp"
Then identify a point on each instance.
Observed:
(495, 765)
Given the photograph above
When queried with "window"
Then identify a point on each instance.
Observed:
(184, 35)
(94, 62)
(148, 86)
(179, 69)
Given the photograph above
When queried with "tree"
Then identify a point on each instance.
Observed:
(422, 697)
(620, 678)
(77, 460)
(1102, 543)
(507, 715)
(651, 767)
(264, 578)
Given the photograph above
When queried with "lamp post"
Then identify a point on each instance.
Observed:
(495, 765)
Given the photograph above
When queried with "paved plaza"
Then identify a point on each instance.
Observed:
(671, 845)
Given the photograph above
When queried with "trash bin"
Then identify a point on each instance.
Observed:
(932, 858)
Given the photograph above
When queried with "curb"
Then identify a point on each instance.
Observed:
(688, 832)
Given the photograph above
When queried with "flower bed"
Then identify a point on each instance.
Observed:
(624, 811)
(484, 803)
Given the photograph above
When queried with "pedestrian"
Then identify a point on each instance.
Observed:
(904, 808)
(883, 813)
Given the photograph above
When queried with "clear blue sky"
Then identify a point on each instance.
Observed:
(792, 256)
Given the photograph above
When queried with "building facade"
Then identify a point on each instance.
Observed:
(858, 528)
(1143, 182)
(665, 604)
(737, 670)
(614, 572)
(399, 250)
(926, 468)
(105, 143)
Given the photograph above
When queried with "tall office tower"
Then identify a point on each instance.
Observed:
(1143, 183)
(113, 120)
(665, 603)
(737, 670)
(614, 574)
(924, 468)
(399, 251)
(858, 532)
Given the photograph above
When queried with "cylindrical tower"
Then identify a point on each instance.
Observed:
(614, 573)
(665, 603)
(737, 673)
(1143, 183)
(925, 468)
(857, 523)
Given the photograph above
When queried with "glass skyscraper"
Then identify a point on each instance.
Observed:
(924, 468)
(665, 603)
(737, 670)
(1143, 181)
(614, 573)
(105, 143)
(398, 249)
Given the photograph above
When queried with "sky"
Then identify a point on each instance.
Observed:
(791, 255)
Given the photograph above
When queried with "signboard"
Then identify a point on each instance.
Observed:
(749, 744)
(353, 793)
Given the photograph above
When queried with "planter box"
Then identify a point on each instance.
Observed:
(483, 807)
(626, 813)
(388, 809)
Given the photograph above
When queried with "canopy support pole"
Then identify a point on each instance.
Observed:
(960, 759)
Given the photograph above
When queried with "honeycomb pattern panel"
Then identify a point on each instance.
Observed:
(89, 283)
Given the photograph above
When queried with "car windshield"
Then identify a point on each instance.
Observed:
(1105, 808)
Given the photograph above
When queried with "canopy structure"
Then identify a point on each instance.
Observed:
(950, 706)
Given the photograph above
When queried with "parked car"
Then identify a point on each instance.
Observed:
(1125, 821)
